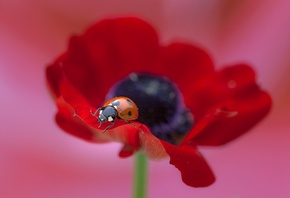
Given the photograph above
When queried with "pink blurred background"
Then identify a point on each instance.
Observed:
(37, 159)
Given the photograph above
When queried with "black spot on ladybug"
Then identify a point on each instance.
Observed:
(129, 113)
(129, 102)
(116, 103)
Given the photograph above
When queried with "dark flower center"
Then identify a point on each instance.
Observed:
(160, 105)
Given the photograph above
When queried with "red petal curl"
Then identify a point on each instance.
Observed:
(72, 124)
(194, 169)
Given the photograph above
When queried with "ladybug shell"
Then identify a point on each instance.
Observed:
(127, 110)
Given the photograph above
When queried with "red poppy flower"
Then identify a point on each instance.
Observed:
(183, 101)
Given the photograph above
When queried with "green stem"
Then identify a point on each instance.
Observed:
(140, 177)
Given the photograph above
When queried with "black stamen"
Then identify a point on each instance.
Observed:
(159, 102)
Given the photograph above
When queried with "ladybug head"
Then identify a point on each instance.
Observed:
(102, 118)
(107, 113)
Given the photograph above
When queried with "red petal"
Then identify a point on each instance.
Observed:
(106, 53)
(232, 119)
(194, 170)
(122, 45)
(84, 74)
(185, 65)
(227, 106)
(151, 145)
(72, 124)
(231, 83)
(127, 151)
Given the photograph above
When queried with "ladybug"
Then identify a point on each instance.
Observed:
(120, 107)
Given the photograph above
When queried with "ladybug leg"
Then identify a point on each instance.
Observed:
(100, 124)
(129, 122)
(132, 124)
(108, 127)
(95, 113)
